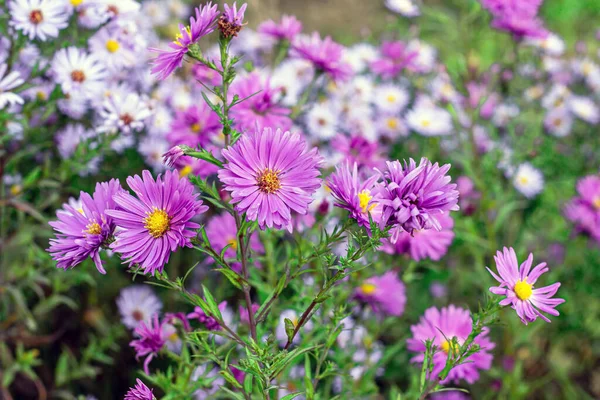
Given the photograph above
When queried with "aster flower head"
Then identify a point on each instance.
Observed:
(125, 114)
(38, 19)
(232, 20)
(78, 73)
(194, 126)
(9, 81)
(385, 293)
(221, 230)
(210, 323)
(201, 25)
(359, 197)
(150, 340)
(584, 209)
(528, 180)
(325, 55)
(82, 233)
(441, 326)
(172, 156)
(269, 174)
(517, 284)
(287, 28)
(137, 303)
(517, 17)
(358, 149)
(416, 195)
(394, 57)
(157, 221)
(139, 392)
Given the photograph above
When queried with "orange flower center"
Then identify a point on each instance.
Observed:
(268, 181)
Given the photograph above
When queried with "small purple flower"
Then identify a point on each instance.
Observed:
(386, 294)
(168, 61)
(209, 322)
(516, 17)
(416, 195)
(516, 283)
(158, 221)
(194, 126)
(287, 28)
(584, 209)
(358, 149)
(244, 317)
(359, 197)
(270, 173)
(171, 157)
(232, 20)
(395, 56)
(139, 392)
(84, 232)
(421, 244)
(441, 326)
(325, 55)
(150, 340)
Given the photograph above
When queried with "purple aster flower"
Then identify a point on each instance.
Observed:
(244, 313)
(139, 392)
(287, 28)
(441, 326)
(172, 156)
(189, 165)
(584, 209)
(469, 196)
(394, 57)
(359, 197)
(206, 75)
(150, 339)
(260, 110)
(232, 20)
(358, 149)
(84, 232)
(450, 395)
(516, 283)
(158, 221)
(209, 322)
(325, 55)
(416, 195)
(426, 243)
(168, 61)
(269, 173)
(221, 231)
(385, 293)
(194, 126)
(516, 17)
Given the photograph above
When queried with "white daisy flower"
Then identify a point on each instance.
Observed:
(38, 19)
(528, 180)
(9, 81)
(390, 98)
(78, 72)
(117, 8)
(392, 126)
(360, 56)
(551, 44)
(173, 342)
(426, 55)
(558, 122)
(125, 114)
(74, 105)
(68, 138)
(110, 46)
(429, 120)
(403, 7)
(152, 148)
(504, 113)
(557, 96)
(137, 303)
(155, 10)
(285, 77)
(322, 121)
(584, 108)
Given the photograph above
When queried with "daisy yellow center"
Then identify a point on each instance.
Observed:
(112, 45)
(78, 76)
(40, 95)
(523, 289)
(157, 222)
(94, 229)
(368, 288)
(185, 171)
(446, 345)
(425, 123)
(268, 181)
(76, 3)
(596, 202)
(36, 17)
(523, 180)
(15, 189)
(392, 123)
(233, 243)
(391, 98)
(363, 201)
(196, 127)
(173, 337)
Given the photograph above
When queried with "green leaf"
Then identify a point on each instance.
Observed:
(248, 383)
(289, 329)
(291, 396)
(211, 303)
(232, 276)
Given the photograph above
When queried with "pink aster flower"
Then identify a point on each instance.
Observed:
(358, 149)
(244, 317)
(139, 392)
(394, 57)
(158, 221)
(262, 109)
(325, 55)
(441, 326)
(517, 284)
(190, 165)
(359, 197)
(584, 209)
(150, 340)
(82, 233)
(385, 293)
(209, 322)
(232, 20)
(168, 61)
(287, 28)
(270, 173)
(427, 243)
(221, 231)
(194, 126)
(416, 195)
(517, 17)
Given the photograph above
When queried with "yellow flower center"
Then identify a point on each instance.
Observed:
(596, 202)
(364, 198)
(268, 181)
(185, 171)
(40, 95)
(157, 222)
(180, 36)
(524, 180)
(523, 289)
(446, 345)
(425, 123)
(112, 45)
(196, 127)
(368, 288)
(94, 228)
(173, 337)
(233, 243)
(15, 189)
(392, 123)
(75, 3)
